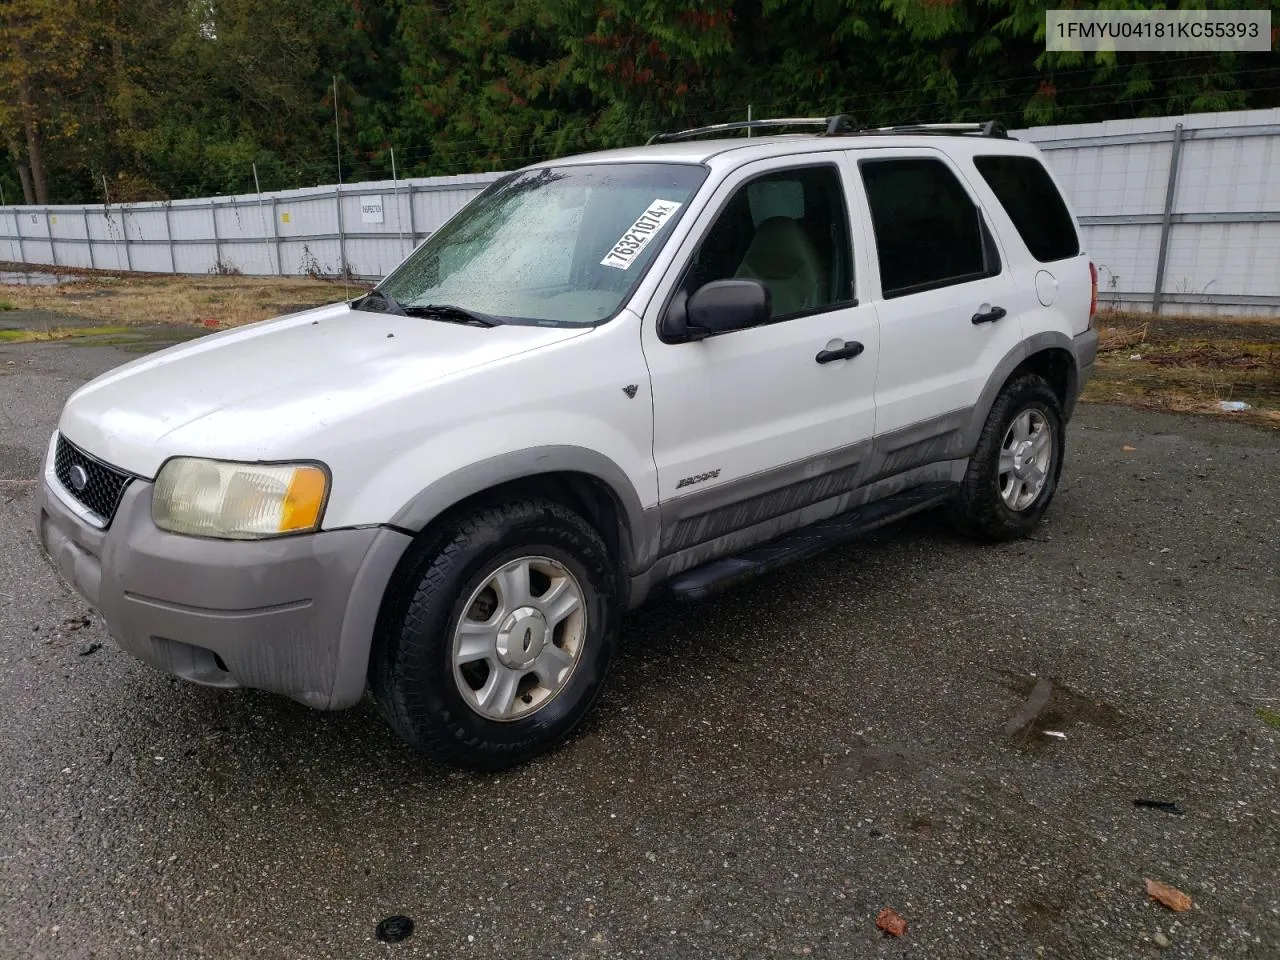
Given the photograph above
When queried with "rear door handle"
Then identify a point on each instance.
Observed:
(851, 348)
(990, 315)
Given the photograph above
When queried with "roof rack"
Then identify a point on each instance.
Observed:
(831, 126)
(841, 125)
(992, 128)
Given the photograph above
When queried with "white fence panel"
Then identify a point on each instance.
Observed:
(285, 232)
(1216, 249)
(71, 237)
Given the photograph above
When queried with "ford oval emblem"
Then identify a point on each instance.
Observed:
(79, 478)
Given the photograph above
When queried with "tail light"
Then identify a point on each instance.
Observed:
(1093, 296)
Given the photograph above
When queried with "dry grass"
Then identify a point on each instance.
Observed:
(197, 301)
(1135, 318)
(1190, 365)
(1121, 338)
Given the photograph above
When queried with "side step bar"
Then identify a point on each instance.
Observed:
(806, 542)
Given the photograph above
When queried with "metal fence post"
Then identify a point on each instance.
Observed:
(88, 237)
(342, 237)
(53, 246)
(106, 218)
(17, 225)
(124, 233)
(262, 216)
(111, 236)
(217, 241)
(168, 235)
(2, 205)
(395, 186)
(275, 232)
(1166, 224)
(413, 231)
(11, 239)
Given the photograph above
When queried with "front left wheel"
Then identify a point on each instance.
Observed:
(499, 636)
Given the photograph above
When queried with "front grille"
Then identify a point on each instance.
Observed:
(103, 485)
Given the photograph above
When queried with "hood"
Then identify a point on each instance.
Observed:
(259, 392)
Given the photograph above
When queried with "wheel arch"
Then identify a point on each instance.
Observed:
(1049, 355)
(581, 479)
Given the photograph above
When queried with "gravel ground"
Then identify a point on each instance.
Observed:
(765, 773)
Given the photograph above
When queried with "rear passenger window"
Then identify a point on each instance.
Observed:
(789, 230)
(1029, 197)
(928, 231)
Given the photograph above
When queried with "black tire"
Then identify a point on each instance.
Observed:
(978, 510)
(411, 672)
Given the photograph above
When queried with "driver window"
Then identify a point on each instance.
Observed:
(787, 229)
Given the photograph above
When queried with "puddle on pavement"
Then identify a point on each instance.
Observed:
(1066, 709)
(862, 761)
(1041, 915)
(920, 824)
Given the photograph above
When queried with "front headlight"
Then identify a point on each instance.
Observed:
(238, 501)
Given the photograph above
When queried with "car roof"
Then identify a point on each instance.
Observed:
(738, 150)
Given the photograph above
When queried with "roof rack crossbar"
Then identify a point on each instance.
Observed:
(992, 128)
(840, 123)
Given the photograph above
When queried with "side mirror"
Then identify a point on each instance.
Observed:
(718, 307)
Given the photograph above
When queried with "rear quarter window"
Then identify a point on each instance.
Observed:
(1029, 197)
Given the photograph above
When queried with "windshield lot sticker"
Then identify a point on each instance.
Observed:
(632, 243)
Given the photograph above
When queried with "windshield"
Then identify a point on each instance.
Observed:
(562, 245)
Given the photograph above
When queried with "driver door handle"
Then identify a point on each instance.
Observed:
(851, 348)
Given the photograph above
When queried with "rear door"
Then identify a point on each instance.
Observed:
(1026, 203)
(945, 297)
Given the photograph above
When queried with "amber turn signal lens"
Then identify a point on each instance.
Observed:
(303, 500)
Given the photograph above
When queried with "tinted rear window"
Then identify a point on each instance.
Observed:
(928, 232)
(1024, 189)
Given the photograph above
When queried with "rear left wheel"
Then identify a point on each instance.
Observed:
(1013, 472)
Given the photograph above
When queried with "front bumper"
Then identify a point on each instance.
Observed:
(293, 615)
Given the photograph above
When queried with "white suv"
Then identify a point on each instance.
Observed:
(673, 366)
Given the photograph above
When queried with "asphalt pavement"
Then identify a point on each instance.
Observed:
(765, 773)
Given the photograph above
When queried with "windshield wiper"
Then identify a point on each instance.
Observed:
(379, 302)
(452, 314)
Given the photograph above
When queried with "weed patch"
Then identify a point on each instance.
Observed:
(1189, 365)
(60, 333)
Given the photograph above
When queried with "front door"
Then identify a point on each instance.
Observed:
(753, 424)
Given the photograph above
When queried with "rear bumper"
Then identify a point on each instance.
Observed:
(293, 616)
(1085, 348)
